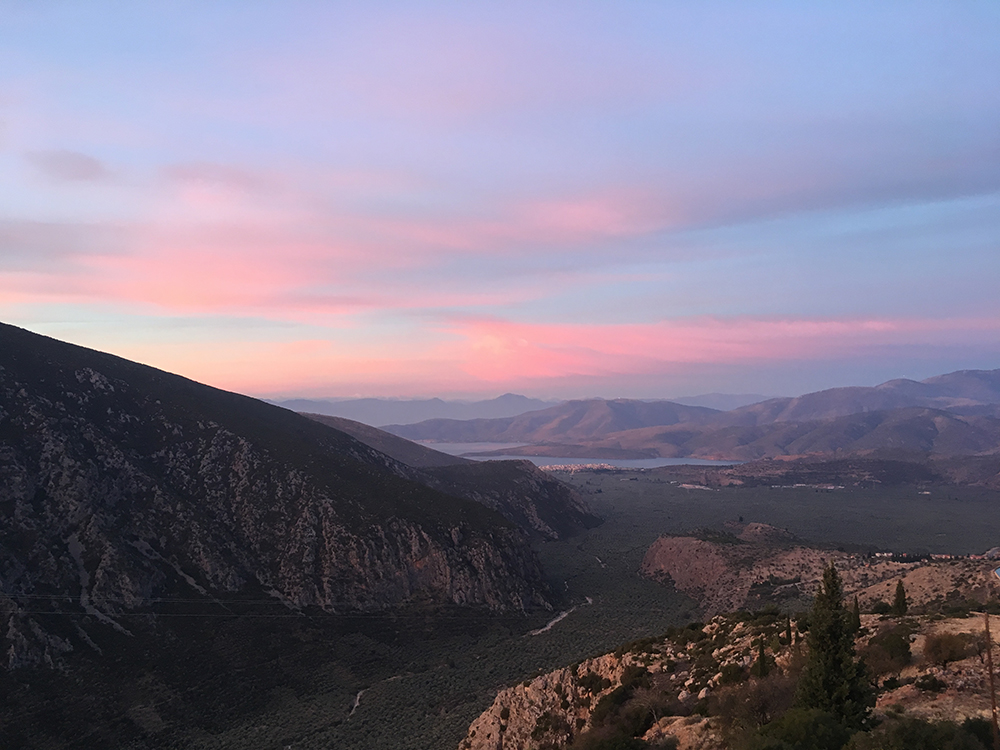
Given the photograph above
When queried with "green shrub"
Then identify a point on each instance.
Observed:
(941, 648)
(593, 683)
(930, 683)
(614, 709)
(607, 739)
(732, 674)
(746, 707)
(690, 633)
(981, 729)
(881, 607)
(888, 651)
(916, 734)
(802, 729)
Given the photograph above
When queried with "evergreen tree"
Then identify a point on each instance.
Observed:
(856, 616)
(899, 605)
(760, 667)
(833, 680)
(788, 631)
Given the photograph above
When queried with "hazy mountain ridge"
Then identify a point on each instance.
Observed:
(721, 401)
(959, 389)
(947, 415)
(573, 420)
(122, 484)
(913, 429)
(382, 411)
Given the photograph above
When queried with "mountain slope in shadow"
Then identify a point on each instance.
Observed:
(517, 490)
(122, 486)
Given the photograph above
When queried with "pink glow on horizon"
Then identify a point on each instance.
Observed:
(481, 356)
(501, 351)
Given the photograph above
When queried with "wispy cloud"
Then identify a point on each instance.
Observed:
(523, 194)
(67, 166)
(503, 351)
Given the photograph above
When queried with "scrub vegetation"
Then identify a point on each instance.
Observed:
(250, 679)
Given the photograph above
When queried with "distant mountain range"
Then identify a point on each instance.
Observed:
(954, 391)
(953, 414)
(568, 422)
(382, 411)
(721, 401)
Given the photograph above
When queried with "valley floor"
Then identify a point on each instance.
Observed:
(427, 675)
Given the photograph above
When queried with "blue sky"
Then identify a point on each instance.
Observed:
(562, 199)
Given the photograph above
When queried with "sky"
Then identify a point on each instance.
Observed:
(561, 199)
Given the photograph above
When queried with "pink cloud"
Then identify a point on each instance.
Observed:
(482, 356)
(225, 240)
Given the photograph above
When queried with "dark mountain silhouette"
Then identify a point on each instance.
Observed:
(122, 486)
(515, 489)
(404, 451)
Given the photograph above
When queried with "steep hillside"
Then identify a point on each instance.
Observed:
(517, 490)
(404, 451)
(520, 492)
(122, 485)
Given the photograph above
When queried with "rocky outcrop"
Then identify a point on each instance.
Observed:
(121, 485)
(689, 671)
(677, 672)
(553, 707)
(762, 565)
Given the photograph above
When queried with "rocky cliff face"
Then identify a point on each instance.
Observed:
(121, 485)
(565, 698)
(520, 492)
(538, 503)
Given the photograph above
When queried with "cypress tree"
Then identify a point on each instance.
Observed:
(760, 669)
(833, 680)
(788, 631)
(856, 616)
(899, 605)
